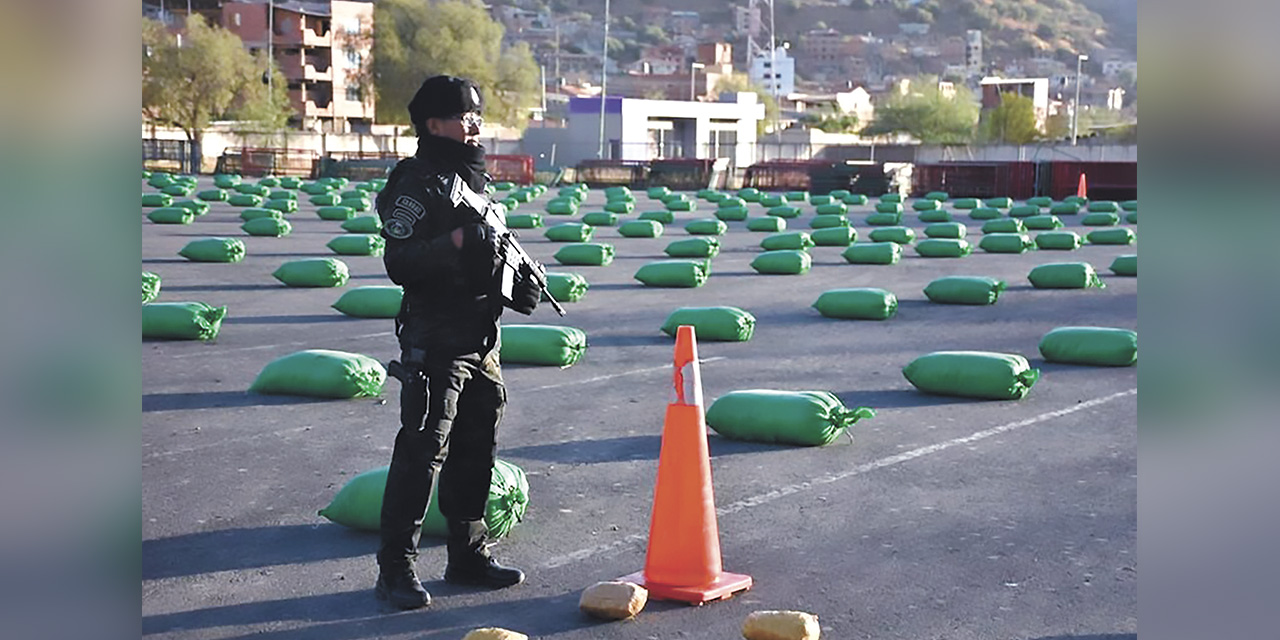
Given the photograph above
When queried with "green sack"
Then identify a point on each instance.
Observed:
(749, 194)
(315, 188)
(212, 195)
(940, 196)
(376, 301)
(1024, 211)
(562, 207)
(839, 194)
(892, 197)
(1006, 243)
(253, 189)
(985, 213)
(805, 418)
(783, 262)
(1119, 235)
(524, 220)
(1104, 206)
(796, 196)
(245, 200)
(214, 250)
(673, 273)
(363, 224)
(946, 230)
(335, 213)
(727, 324)
(784, 211)
(1131, 217)
(321, 373)
(1064, 209)
(834, 237)
(269, 227)
(771, 200)
(732, 214)
(767, 223)
(657, 193)
(854, 199)
(1058, 240)
(283, 206)
(787, 240)
(819, 200)
(966, 203)
(600, 219)
(926, 205)
(731, 202)
(196, 207)
(358, 504)
(972, 374)
(943, 248)
(1065, 275)
(681, 205)
(664, 217)
(283, 194)
(171, 215)
(569, 232)
(1126, 265)
(899, 235)
(150, 286)
(619, 206)
(1043, 223)
(325, 200)
(888, 207)
(545, 345)
(863, 303)
(884, 219)
(181, 320)
(937, 215)
(706, 227)
(566, 287)
(1004, 225)
(356, 204)
(269, 181)
(590, 254)
(313, 272)
(358, 244)
(1040, 201)
(1099, 346)
(832, 209)
(640, 229)
(873, 253)
(178, 189)
(293, 182)
(226, 180)
(253, 213)
(1100, 219)
(617, 191)
(828, 221)
(1003, 202)
(693, 248)
(975, 290)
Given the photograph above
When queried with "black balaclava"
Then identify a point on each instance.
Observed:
(444, 97)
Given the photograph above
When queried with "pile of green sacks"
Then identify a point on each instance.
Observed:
(358, 504)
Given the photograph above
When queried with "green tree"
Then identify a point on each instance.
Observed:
(209, 76)
(829, 121)
(1013, 121)
(927, 113)
(735, 82)
(414, 40)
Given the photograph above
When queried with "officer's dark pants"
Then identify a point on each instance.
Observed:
(463, 399)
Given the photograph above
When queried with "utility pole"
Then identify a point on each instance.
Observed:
(271, 53)
(604, 77)
(1075, 106)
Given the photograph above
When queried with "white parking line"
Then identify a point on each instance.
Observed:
(782, 492)
(665, 367)
(205, 353)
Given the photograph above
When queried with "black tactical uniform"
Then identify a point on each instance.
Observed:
(452, 394)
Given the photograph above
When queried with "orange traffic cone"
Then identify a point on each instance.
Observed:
(1082, 189)
(683, 560)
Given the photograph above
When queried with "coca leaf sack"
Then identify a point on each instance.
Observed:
(592, 254)
(321, 373)
(181, 320)
(213, 250)
(972, 374)
(834, 237)
(787, 240)
(640, 229)
(566, 287)
(270, 227)
(1126, 265)
(943, 248)
(1058, 240)
(1065, 275)
(313, 272)
(150, 286)
(693, 248)
(857, 304)
(783, 262)
(767, 223)
(544, 345)
(1099, 346)
(976, 290)
(873, 253)
(806, 418)
(376, 301)
(673, 273)
(728, 324)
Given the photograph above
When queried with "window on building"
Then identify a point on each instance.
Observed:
(353, 57)
(354, 94)
(236, 18)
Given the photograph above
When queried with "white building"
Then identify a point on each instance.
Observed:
(779, 80)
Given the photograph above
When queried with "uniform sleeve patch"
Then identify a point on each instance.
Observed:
(405, 213)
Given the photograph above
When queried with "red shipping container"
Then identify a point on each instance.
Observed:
(1106, 180)
(510, 168)
(1016, 180)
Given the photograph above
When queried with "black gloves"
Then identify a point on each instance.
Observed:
(526, 292)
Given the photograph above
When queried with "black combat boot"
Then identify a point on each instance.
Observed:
(401, 588)
(469, 560)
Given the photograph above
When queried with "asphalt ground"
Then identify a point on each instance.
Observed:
(942, 518)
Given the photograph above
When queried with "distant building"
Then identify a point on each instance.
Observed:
(1113, 68)
(973, 52)
(683, 23)
(776, 73)
(746, 20)
(1035, 88)
(320, 47)
(914, 28)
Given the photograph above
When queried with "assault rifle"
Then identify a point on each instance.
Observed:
(511, 254)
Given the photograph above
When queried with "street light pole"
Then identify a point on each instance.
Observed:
(604, 77)
(1075, 106)
(693, 72)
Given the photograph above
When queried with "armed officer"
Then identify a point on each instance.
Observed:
(452, 395)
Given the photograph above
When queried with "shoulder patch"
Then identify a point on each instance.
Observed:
(406, 211)
(398, 229)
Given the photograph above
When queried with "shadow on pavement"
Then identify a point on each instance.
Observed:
(592, 451)
(657, 338)
(216, 400)
(351, 615)
(222, 287)
(334, 317)
(900, 398)
(1098, 636)
(233, 549)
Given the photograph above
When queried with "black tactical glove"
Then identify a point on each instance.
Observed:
(525, 292)
(479, 250)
